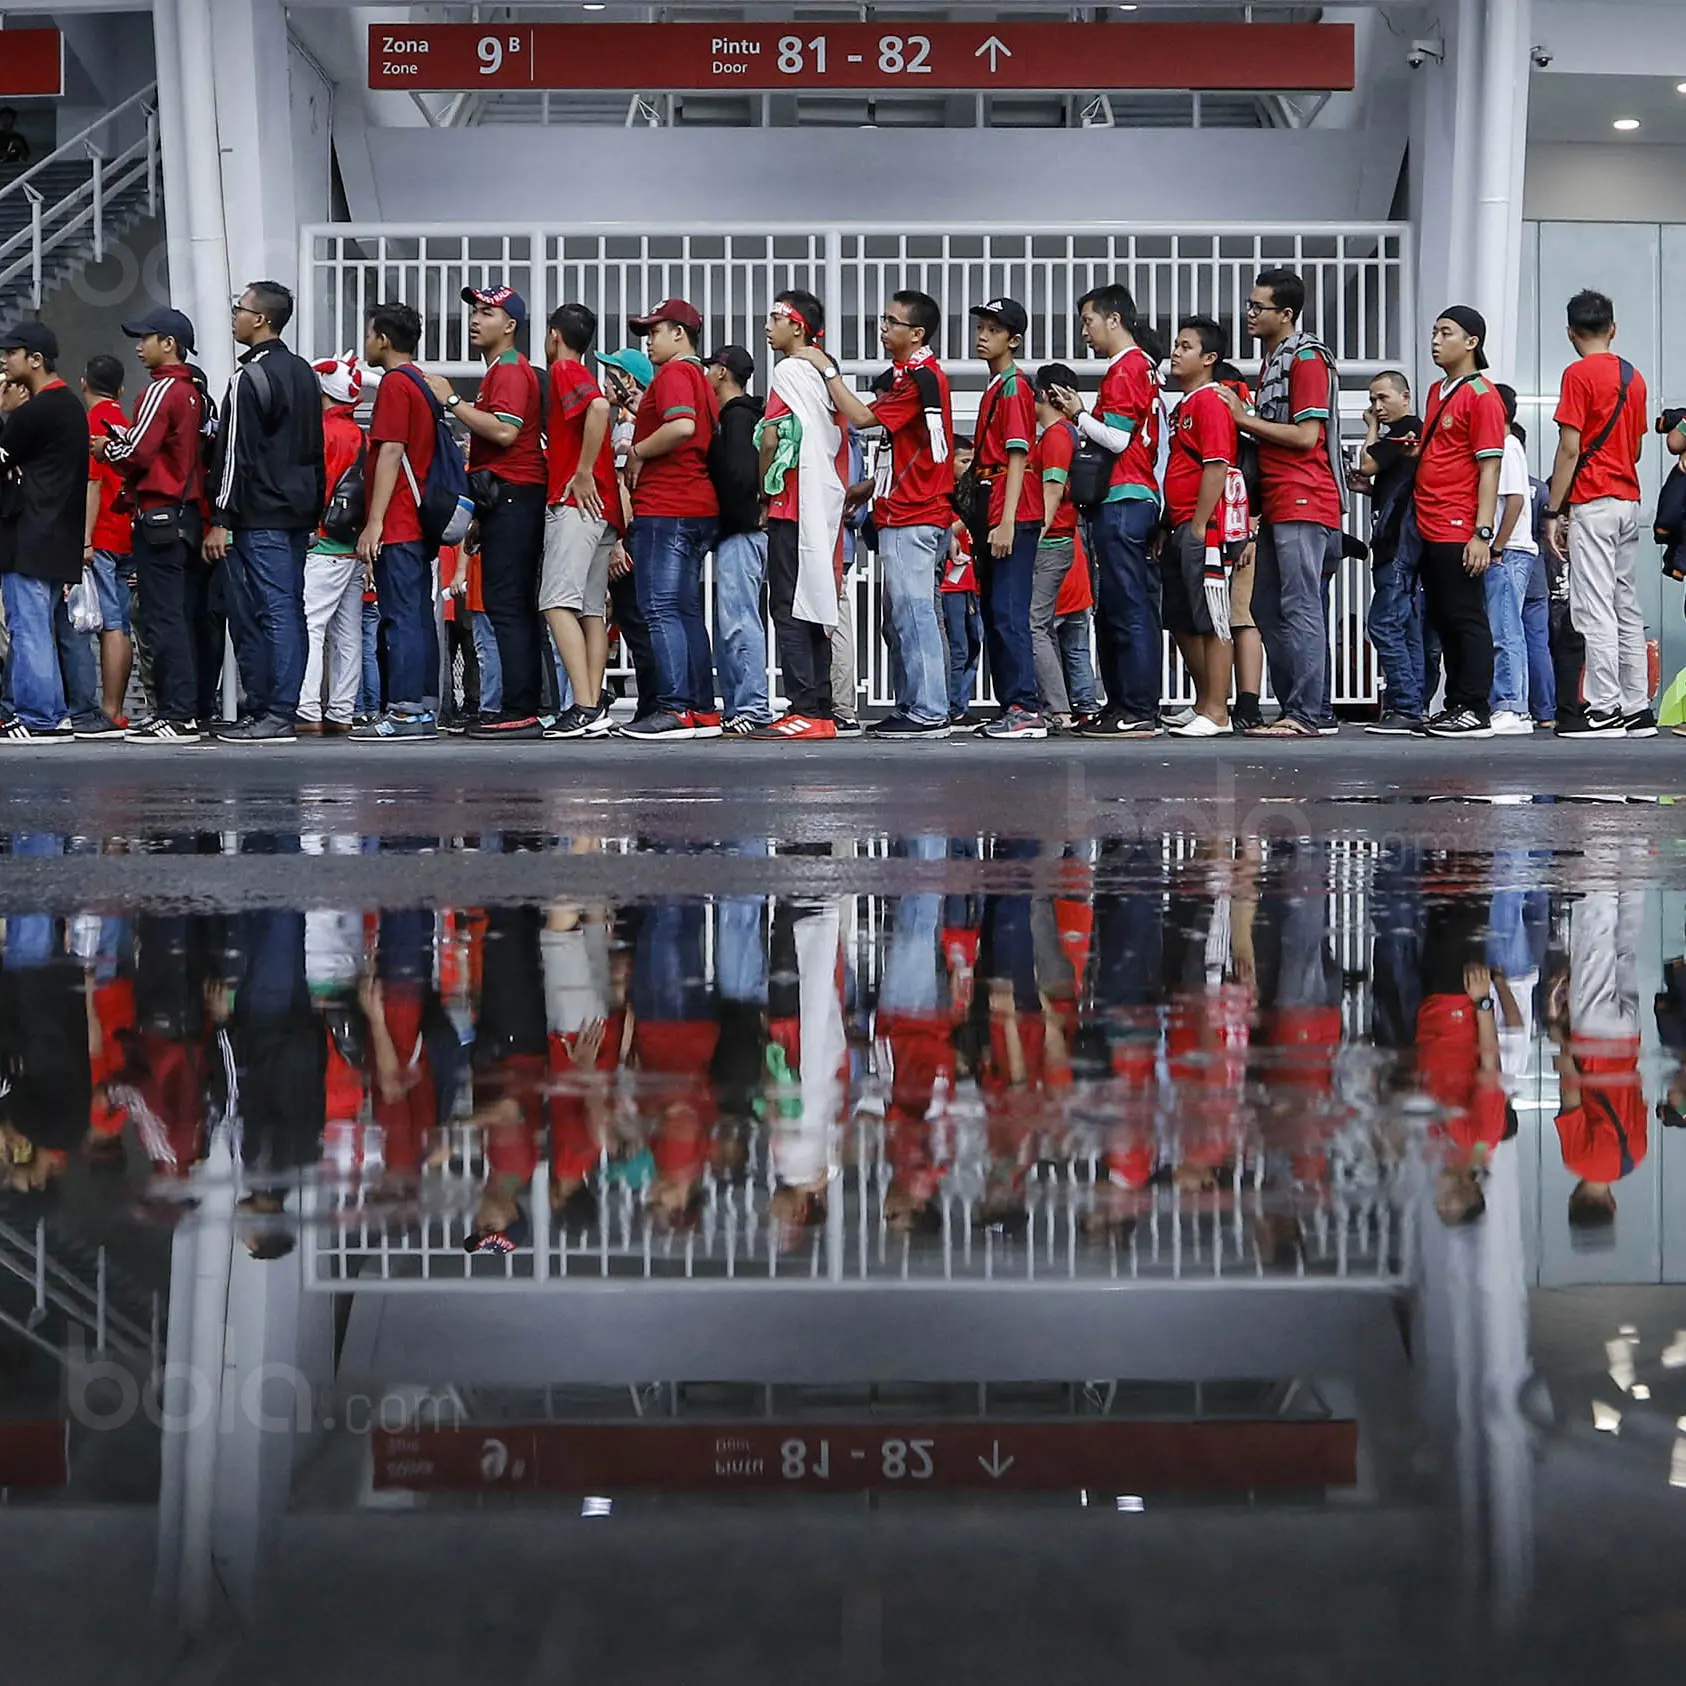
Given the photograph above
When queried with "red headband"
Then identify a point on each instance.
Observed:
(785, 308)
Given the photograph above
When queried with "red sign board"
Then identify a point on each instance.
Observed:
(34, 1454)
(878, 56)
(1134, 1457)
(31, 62)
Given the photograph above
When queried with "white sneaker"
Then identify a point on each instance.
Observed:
(1181, 718)
(1510, 725)
(1200, 726)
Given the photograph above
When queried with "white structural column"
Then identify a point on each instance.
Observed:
(1497, 256)
(172, 144)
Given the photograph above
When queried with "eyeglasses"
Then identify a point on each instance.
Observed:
(1253, 308)
(237, 308)
(894, 322)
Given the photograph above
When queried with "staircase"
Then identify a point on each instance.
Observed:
(62, 213)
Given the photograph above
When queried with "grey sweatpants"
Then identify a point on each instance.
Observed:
(1053, 563)
(1604, 605)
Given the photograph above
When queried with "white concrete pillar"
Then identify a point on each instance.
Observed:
(1496, 258)
(208, 288)
(172, 145)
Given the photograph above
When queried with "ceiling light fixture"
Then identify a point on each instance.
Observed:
(1625, 125)
(1680, 87)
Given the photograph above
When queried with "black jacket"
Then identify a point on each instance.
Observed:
(734, 465)
(44, 487)
(269, 465)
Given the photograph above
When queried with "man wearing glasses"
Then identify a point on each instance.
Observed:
(911, 507)
(269, 487)
(1297, 425)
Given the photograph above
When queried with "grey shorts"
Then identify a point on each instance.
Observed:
(1182, 566)
(576, 561)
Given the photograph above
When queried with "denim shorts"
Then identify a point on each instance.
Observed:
(112, 574)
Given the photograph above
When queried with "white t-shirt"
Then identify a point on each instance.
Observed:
(1514, 483)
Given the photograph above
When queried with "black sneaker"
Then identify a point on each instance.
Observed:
(664, 726)
(848, 726)
(1395, 725)
(966, 720)
(1112, 725)
(507, 728)
(1328, 727)
(1592, 724)
(572, 724)
(14, 733)
(1464, 723)
(1643, 724)
(899, 726)
(268, 730)
(163, 732)
(101, 729)
(743, 726)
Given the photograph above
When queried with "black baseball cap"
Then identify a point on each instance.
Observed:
(736, 361)
(166, 324)
(34, 337)
(1008, 312)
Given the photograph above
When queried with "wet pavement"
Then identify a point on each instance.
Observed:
(844, 1214)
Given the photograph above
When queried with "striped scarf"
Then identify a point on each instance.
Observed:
(1272, 402)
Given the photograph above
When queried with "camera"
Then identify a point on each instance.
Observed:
(1669, 420)
(1422, 51)
(1542, 56)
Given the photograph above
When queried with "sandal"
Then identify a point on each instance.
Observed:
(1283, 728)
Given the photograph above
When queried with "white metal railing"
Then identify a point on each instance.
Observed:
(88, 1308)
(52, 224)
(1358, 283)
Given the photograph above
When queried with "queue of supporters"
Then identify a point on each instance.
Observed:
(356, 572)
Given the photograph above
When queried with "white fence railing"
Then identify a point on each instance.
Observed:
(1358, 283)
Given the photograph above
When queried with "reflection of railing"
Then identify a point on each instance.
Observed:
(56, 1289)
(50, 224)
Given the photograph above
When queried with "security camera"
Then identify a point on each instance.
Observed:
(1542, 56)
(1422, 51)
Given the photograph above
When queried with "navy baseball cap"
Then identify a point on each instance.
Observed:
(167, 324)
(34, 337)
(505, 299)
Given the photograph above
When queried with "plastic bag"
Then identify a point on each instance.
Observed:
(84, 605)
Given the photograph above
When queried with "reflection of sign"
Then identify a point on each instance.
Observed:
(31, 62)
(1140, 1457)
(34, 1454)
(1058, 56)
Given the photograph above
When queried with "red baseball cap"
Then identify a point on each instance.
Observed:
(669, 310)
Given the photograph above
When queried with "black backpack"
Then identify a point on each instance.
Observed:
(442, 500)
(348, 503)
(1670, 525)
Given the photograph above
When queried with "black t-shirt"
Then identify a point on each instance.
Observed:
(44, 487)
(1396, 470)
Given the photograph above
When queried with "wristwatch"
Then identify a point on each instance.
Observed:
(453, 401)
(831, 372)
(1484, 1005)
(1485, 534)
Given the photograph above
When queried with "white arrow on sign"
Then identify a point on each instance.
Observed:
(995, 1466)
(997, 50)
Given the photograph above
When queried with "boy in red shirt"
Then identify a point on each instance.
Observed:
(1203, 451)
(110, 535)
(962, 618)
(1593, 522)
(401, 438)
(583, 524)
(1457, 499)
(675, 512)
(1056, 554)
(1007, 531)
(333, 577)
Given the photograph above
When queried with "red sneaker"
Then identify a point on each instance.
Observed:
(798, 727)
(705, 723)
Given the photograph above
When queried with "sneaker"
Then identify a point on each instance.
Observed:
(601, 722)
(392, 728)
(1119, 726)
(1329, 727)
(453, 725)
(163, 731)
(797, 727)
(14, 732)
(1393, 725)
(705, 723)
(664, 726)
(1592, 725)
(268, 730)
(966, 720)
(102, 729)
(1507, 723)
(1200, 726)
(1640, 725)
(848, 726)
(899, 726)
(1017, 723)
(1464, 723)
(507, 728)
(744, 726)
(575, 723)
(1177, 717)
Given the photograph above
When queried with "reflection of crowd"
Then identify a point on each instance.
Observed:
(1152, 1025)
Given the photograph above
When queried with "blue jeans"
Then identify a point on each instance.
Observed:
(1395, 625)
(1127, 607)
(32, 669)
(1536, 634)
(909, 556)
(963, 622)
(79, 662)
(740, 631)
(491, 665)
(369, 693)
(1288, 605)
(667, 565)
(1006, 582)
(669, 980)
(1506, 585)
(112, 576)
(1071, 633)
(404, 585)
(264, 581)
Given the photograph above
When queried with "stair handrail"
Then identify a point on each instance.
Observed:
(62, 153)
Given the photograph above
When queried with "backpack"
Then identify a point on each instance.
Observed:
(442, 503)
(348, 502)
(1670, 525)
